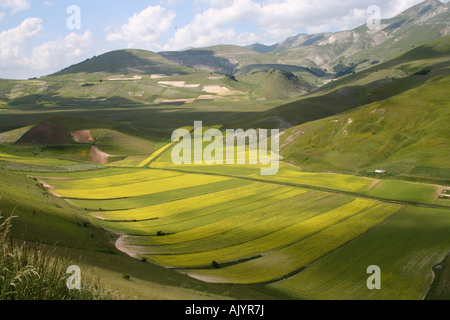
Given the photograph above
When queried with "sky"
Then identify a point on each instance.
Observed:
(40, 37)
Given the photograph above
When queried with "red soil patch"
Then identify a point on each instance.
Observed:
(44, 134)
(82, 136)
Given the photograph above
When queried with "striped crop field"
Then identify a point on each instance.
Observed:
(138, 188)
(288, 259)
(289, 174)
(405, 248)
(157, 197)
(203, 217)
(168, 209)
(34, 160)
(235, 229)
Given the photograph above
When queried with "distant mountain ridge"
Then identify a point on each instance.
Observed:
(340, 52)
(319, 56)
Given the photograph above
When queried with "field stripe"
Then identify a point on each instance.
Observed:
(159, 197)
(277, 264)
(156, 154)
(208, 215)
(252, 225)
(168, 209)
(141, 188)
(114, 180)
(275, 240)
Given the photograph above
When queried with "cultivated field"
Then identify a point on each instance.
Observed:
(229, 225)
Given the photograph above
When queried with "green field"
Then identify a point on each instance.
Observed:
(405, 248)
(227, 227)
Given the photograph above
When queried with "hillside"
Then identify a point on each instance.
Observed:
(323, 54)
(127, 62)
(224, 59)
(377, 83)
(346, 51)
(404, 132)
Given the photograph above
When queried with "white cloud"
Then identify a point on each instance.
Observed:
(54, 55)
(13, 42)
(2, 15)
(277, 19)
(171, 2)
(48, 3)
(210, 27)
(393, 8)
(15, 5)
(48, 57)
(145, 28)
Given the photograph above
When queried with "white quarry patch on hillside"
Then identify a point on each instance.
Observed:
(158, 76)
(121, 78)
(178, 84)
(162, 100)
(216, 89)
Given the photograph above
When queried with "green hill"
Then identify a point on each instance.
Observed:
(127, 62)
(404, 132)
(380, 82)
(224, 59)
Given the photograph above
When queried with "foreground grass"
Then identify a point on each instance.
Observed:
(33, 273)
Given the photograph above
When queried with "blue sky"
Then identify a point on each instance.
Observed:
(35, 39)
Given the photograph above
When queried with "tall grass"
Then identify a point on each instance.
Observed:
(32, 272)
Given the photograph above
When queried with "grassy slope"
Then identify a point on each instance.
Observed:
(397, 134)
(361, 47)
(127, 62)
(405, 248)
(44, 218)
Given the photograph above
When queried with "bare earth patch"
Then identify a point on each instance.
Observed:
(49, 187)
(178, 84)
(158, 76)
(221, 90)
(98, 156)
(176, 101)
(206, 97)
(82, 136)
(125, 248)
(121, 78)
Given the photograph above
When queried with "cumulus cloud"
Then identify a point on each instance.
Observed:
(13, 42)
(15, 5)
(55, 55)
(48, 57)
(210, 27)
(145, 28)
(277, 19)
